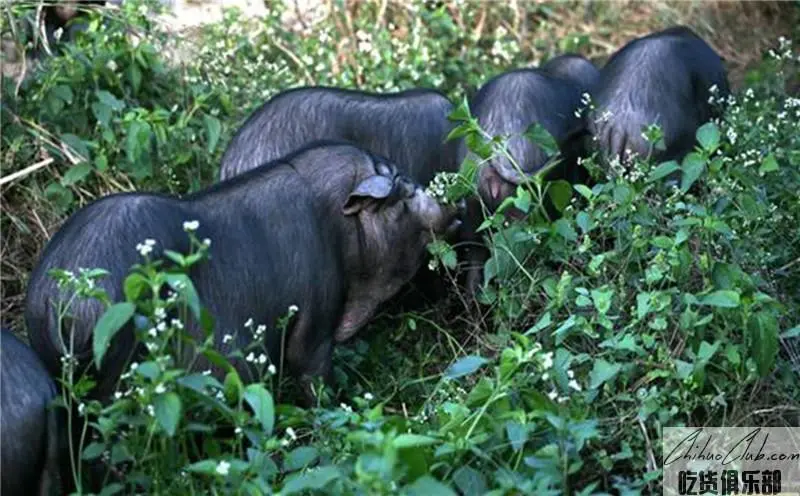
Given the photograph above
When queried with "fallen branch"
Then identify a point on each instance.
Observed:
(27, 170)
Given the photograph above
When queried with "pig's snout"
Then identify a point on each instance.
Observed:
(454, 215)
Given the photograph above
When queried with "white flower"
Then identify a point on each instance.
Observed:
(570, 374)
(81, 409)
(285, 442)
(207, 242)
(134, 366)
(117, 395)
(260, 330)
(160, 313)
(143, 250)
(227, 338)
(162, 326)
(191, 225)
(552, 394)
(545, 376)
(207, 372)
(160, 389)
(58, 32)
(151, 410)
(368, 396)
(249, 323)
(574, 385)
(272, 370)
(177, 324)
(293, 309)
(547, 360)
(152, 332)
(238, 431)
(290, 432)
(262, 359)
(223, 468)
(251, 357)
(346, 407)
(111, 65)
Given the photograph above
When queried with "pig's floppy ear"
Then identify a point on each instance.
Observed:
(370, 189)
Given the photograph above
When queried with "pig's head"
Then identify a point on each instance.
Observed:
(389, 222)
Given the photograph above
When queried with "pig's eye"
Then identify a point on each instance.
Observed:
(384, 169)
(406, 186)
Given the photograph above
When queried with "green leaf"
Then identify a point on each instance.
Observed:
(623, 194)
(112, 320)
(135, 77)
(461, 112)
(464, 366)
(76, 173)
(769, 164)
(584, 191)
(301, 457)
(470, 481)
(260, 400)
(732, 354)
(148, 369)
(199, 382)
(708, 137)
(791, 333)
(134, 286)
(428, 486)
(314, 479)
(663, 170)
(723, 298)
(724, 275)
(560, 193)
(602, 371)
(693, 166)
(413, 441)
(233, 387)
(544, 321)
(584, 222)
(517, 435)
(561, 332)
(77, 145)
(523, 199)
(763, 330)
(706, 351)
(683, 369)
(63, 92)
(54, 104)
(205, 467)
(93, 451)
(182, 284)
(602, 300)
(540, 136)
(102, 113)
(213, 130)
(112, 489)
(662, 242)
(168, 411)
(565, 229)
(110, 100)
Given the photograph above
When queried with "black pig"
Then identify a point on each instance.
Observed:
(332, 229)
(408, 127)
(663, 78)
(575, 68)
(29, 428)
(508, 105)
